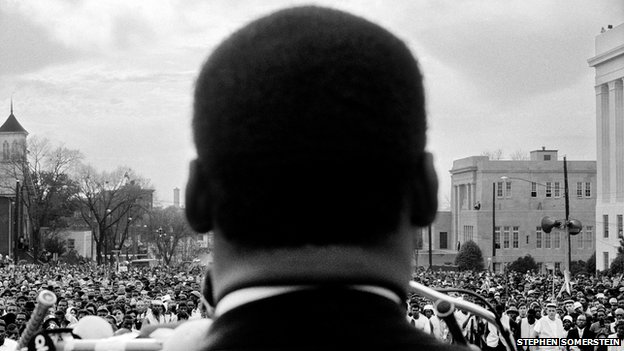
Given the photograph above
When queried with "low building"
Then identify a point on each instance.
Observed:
(505, 201)
(443, 249)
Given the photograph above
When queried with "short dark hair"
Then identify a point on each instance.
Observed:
(309, 125)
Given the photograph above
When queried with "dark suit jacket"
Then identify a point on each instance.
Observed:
(319, 319)
(587, 334)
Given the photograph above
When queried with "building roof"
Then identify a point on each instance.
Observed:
(11, 125)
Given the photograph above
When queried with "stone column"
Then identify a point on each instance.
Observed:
(602, 147)
(613, 149)
(619, 138)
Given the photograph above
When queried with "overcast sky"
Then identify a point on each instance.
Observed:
(115, 78)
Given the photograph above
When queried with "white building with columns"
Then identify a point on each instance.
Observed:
(609, 65)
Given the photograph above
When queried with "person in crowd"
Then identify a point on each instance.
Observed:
(439, 329)
(568, 323)
(527, 328)
(618, 316)
(418, 320)
(581, 331)
(512, 321)
(6, 344)
(600, 326)
(155, 314)
(549, 326)
(619, 334)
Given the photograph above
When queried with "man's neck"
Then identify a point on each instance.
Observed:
(387, 265)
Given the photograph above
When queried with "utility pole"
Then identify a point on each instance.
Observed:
(430, 250)
(16, 215)
(567, 211)
(493, 224)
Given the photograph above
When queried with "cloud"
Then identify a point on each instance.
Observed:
(513, 51)
(26, 47)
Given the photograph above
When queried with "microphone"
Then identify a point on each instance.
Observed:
(444, 309)
(45, 300)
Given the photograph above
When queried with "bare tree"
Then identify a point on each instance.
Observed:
(168, 227)
(493, 155)
(46, 186)
(108, 201)
(519, 155)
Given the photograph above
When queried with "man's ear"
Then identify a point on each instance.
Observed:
(424, 201)
(198, 200)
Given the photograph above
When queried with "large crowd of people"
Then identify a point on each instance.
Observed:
(126, 300)
(531, 305)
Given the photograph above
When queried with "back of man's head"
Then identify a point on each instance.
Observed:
(310, 130)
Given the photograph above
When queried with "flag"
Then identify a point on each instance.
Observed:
(617, 281)
(566, 283)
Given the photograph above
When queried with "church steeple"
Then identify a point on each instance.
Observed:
(11, 125)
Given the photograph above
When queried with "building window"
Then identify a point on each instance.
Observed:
(497, 237)
(587, 189)
(14, 149)
(515, 237)
(589, 236)
(468, 233)
(533, 189)
(580, 238)
(546, 157)
(6, 153)
(527, 240)
(540, 266)
(507, 189)
(605, 226)
(548, 189)
(557, 189)
(547, 240)
(557, 266)
(538, 237)
(505, 237)
(619, 225)
(579, 189)
(71, 244)
(443, 240)
(605, 259)
(556, 240)
(499, 189)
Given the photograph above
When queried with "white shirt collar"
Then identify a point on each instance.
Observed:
(243, 296)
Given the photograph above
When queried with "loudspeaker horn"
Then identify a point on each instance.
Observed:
(574, 226)
(548, 223)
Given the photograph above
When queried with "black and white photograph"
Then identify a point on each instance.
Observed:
(312, 175)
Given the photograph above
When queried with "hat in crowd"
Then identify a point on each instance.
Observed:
(578, 305)
(568, 318)
(512, 309)
(157, 302)
(600, 296)
(568, 301)
(619, 311)
(428, 307)
(613, 300)
(103, 308)
(551, 304)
